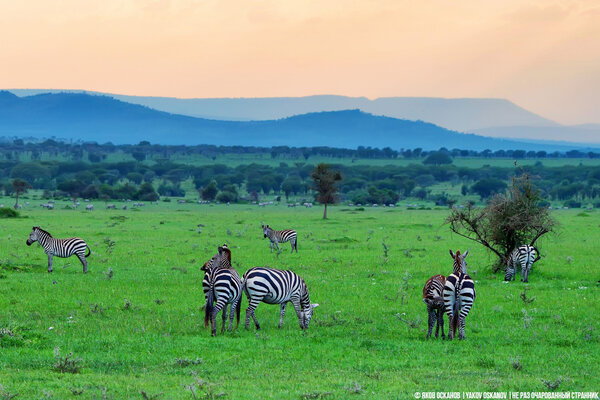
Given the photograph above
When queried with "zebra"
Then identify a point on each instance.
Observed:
(276, 237)
(432, 297)
(525, 255)
(459, 294)
(59, 247)
(221, 284)
(274, 286)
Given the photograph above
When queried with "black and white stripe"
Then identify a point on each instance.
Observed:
(274, 286)
(59, 247)
(432, 297)
(221, 284)
(523, 255)
(459, 294)
(276, 237)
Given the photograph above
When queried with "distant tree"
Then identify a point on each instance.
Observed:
(326, 184)
(20, 187)
(146, 192)
(438, 158)
(508, 221)
(488, 187)
(209, 192)
(139, 155)
(73, 187)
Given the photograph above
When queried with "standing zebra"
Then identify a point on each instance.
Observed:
(221, 284)
(274, 286)
(432, 296)
(276, 237)
(525, 255)
(459, 294)
(59, 247)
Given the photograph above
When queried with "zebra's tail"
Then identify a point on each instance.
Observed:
(454, 322)
(237, 310)
(209, 307)
(89, 251)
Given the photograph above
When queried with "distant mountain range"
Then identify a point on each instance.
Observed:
(79, 116)
(462, 115)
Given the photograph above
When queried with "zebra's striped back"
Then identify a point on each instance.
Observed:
(524, 256)
(432, 291)
(274, 286)
(459, 295)
(285, 235)
(222, 286)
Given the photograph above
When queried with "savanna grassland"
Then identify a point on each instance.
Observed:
(134, 322)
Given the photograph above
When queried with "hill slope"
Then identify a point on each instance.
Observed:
(103, 119)
(462, 115)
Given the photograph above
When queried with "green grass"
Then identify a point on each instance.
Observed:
(134, 332)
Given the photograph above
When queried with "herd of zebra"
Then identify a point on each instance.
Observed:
(222, 286)
(455, 294)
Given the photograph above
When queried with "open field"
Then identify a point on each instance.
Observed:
(134, 331)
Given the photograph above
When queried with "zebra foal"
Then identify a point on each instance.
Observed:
(459, 294)
(525, 256)
(432, 297)
(59, 247)
(274, 286)
(276, 237)
(221, 285)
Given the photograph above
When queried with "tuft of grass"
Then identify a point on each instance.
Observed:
(67, 363)
(186, 362)
(201, 389)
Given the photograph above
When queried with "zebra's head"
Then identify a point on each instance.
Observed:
(33, 236)
(460, 264)
(266, 230)
(307, 308)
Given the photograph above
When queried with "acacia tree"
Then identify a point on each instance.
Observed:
(509, 220)
(325, 183)
(20, 186)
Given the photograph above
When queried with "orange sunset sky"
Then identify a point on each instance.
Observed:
(544, 55)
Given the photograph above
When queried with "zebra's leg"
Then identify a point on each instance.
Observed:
(49, 262)
(83, 262)
(224, 318)
(282, 313)
(298, 308)
(523, 276)
(440, 323)
(278, 249)
(213, 323)
(430, 320)
(231, 314)
(271, 247)
(527, 269)
(461, 326)
(253, 303)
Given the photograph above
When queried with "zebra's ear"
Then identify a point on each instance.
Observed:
(451, 253)
(220, 249)
(466, 254)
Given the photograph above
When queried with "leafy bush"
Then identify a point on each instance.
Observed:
(8, 213)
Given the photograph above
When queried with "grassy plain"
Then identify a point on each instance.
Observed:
(134, 332)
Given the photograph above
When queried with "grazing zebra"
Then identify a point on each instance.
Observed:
(221, 284)
(432, 296)
(274, 286)
(525, 255)
(276, 237)
(59, 247)
(459, 294)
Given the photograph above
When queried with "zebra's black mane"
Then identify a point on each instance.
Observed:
(41, 230)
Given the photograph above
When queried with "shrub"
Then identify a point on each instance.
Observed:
(8, 213)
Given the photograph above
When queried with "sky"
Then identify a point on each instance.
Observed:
(544, 55)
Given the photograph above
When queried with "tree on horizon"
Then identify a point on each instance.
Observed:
(325, 183)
